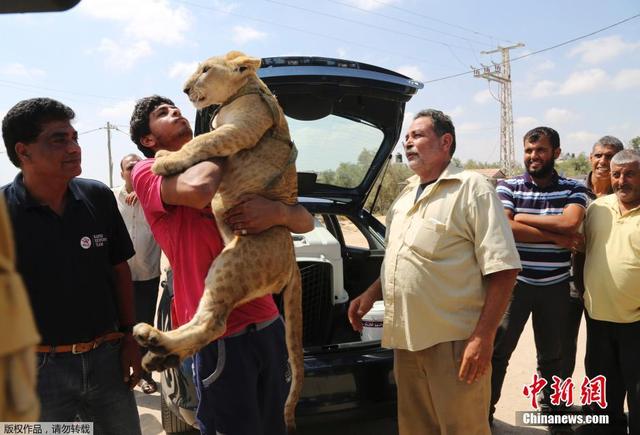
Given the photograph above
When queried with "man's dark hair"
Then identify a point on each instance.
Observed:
(441, 124)
(609, 141)
(24, 121)
(139, 124)
(534, 135)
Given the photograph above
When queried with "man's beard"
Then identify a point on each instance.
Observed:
(543, 171)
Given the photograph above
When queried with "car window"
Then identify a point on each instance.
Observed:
(353, 237)
(339, 150)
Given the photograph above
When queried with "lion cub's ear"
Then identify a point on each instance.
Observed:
(233, 54)
(244, 62)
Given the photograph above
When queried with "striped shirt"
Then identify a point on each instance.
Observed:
(542, 263)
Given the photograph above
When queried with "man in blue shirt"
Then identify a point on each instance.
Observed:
(545, 212)
(72, 248)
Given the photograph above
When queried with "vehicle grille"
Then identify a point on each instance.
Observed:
(317, 302)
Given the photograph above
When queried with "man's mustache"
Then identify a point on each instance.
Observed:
(622, 187)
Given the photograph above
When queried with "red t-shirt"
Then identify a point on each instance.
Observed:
(190, 239)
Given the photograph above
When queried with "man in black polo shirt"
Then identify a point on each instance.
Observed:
(72, 250)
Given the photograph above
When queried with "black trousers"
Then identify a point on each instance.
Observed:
(548, 306)
(613, 350)
(570, 336)
(145, 295)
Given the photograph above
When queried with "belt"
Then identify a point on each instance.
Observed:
(253, 327)
(79, 347)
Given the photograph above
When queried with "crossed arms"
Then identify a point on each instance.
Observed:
(561, 230)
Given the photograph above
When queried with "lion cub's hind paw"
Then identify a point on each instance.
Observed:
(154, 362)
(149, 337)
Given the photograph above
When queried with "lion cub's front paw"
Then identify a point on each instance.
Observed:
(162, 166)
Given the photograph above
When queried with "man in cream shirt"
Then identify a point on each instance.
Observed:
(612, 294)
(448, 273)
(145, 264)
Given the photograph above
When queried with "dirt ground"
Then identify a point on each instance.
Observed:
(520, 373)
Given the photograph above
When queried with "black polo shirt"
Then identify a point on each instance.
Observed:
(67, 261)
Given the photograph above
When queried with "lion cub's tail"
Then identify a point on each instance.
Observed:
(292, 295)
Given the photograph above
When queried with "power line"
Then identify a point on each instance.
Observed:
(486, 35)
(90, 131)
(373, 26)
(577, 39)
(114, 127)
(451, 76)
(57, 90)
(297, 29)
(404, 21)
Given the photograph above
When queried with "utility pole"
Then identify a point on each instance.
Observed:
(502, 74)
(109, 127)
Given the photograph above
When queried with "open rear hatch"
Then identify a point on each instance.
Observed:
(336, 108)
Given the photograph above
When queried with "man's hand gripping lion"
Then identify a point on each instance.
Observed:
(249, 129)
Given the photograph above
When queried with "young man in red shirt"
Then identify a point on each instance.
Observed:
(242, 378)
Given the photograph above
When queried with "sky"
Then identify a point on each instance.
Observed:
(102, 55)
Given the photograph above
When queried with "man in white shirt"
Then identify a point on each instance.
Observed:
(145, 264)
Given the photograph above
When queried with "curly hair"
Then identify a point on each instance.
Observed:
(24, 121)
(139, 123)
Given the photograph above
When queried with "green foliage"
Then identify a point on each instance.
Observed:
(472, 164)
(348, 174)
(635, 143)
(576, 166)
(394, 181)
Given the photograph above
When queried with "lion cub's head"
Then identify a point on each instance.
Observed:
(218, 78)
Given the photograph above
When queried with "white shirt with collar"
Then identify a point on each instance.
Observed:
(145, 264)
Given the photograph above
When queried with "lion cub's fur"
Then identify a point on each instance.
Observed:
(251, 131)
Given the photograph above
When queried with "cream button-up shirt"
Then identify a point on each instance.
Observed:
(145, 264)
(18, 335)
(612, 265)
(438, 250)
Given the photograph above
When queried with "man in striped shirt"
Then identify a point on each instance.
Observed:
(545, 212)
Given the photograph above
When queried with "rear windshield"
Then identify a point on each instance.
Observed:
(339, 150)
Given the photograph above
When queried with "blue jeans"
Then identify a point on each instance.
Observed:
(89, 386)
(242, 383)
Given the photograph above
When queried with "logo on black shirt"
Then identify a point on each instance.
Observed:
(85, 242)
(99, 240)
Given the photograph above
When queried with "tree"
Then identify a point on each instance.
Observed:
(393, 182)
(574, 167)
(472, 164)
(348, 174)
(635, 143)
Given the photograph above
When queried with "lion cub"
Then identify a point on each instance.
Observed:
(249, 128)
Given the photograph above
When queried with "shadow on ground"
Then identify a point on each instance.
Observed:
(502, 428)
